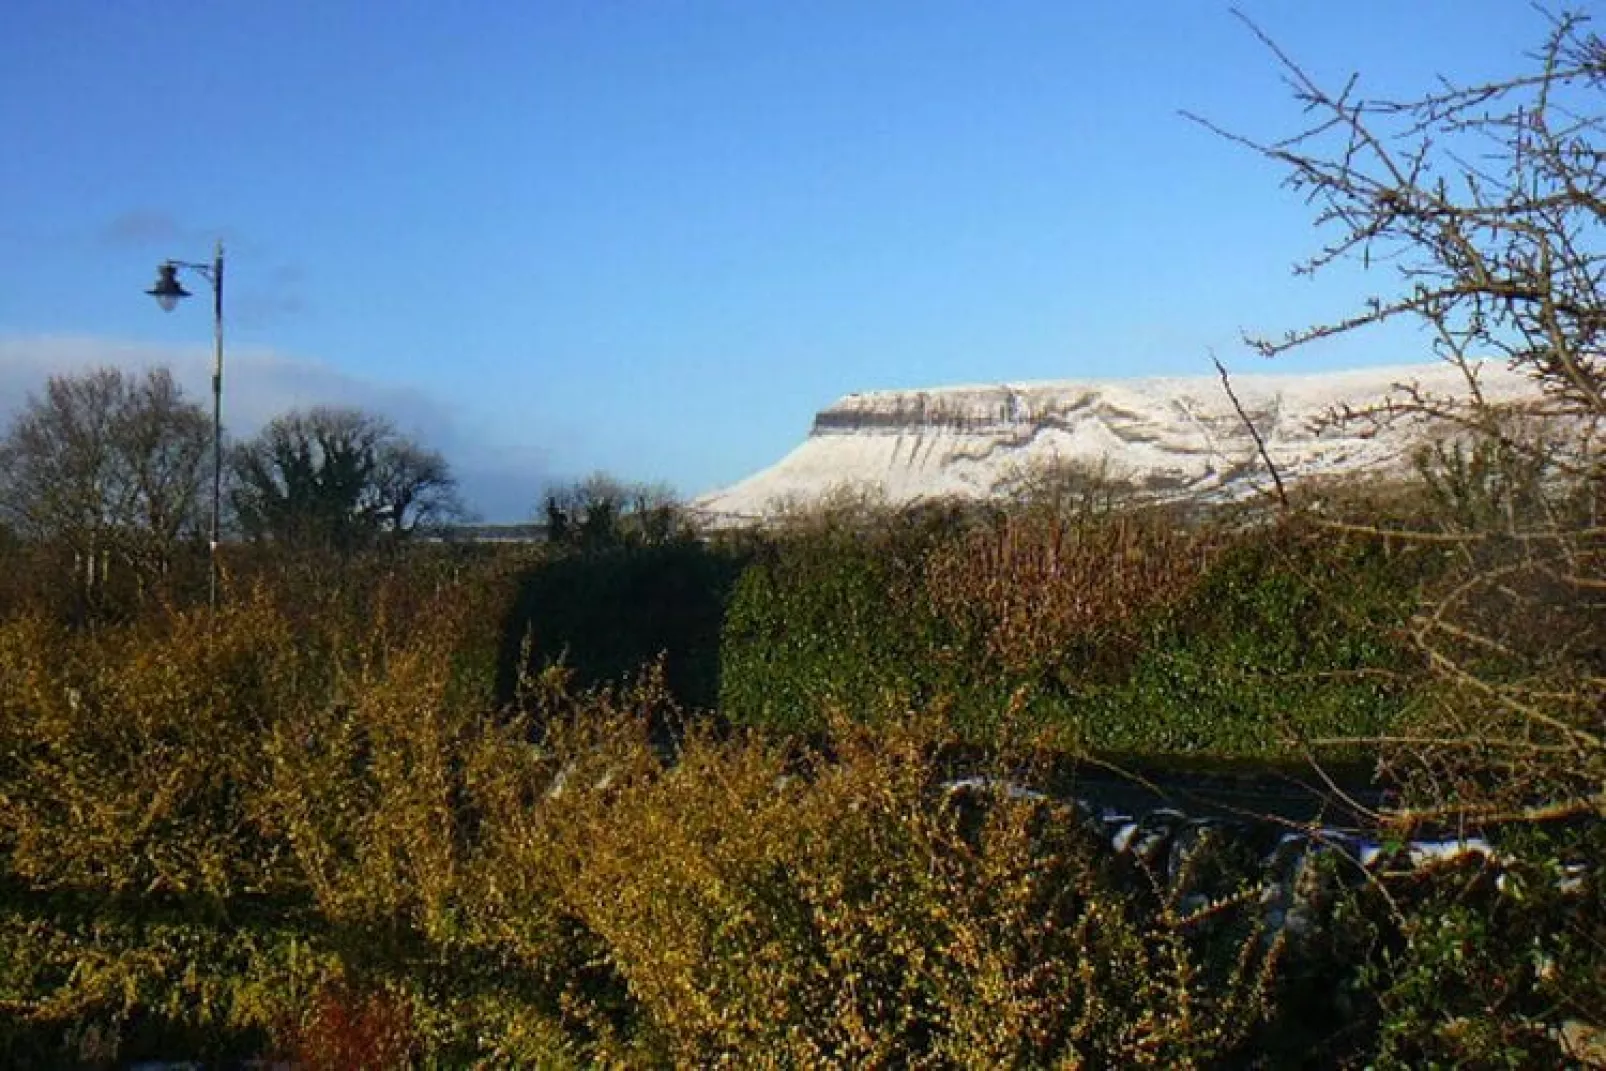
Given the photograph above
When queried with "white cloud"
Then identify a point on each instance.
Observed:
(259, 383)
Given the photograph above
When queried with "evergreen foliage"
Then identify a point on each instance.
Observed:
(1126, 633)
(337, 480)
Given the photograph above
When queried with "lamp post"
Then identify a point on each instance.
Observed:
(168, 291)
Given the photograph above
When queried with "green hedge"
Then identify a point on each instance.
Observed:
(833, 619)
(1289, 635)
(1292, 636)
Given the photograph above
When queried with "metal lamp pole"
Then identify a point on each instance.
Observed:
(168, 291)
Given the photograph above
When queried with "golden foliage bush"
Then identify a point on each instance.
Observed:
(263, 767)
(95, 988)
(130, 760)
(760, 902)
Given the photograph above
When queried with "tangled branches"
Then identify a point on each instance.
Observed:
(1487, 204)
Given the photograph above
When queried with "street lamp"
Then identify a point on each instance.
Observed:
(168, 292)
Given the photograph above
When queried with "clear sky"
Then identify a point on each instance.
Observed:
(654, 236)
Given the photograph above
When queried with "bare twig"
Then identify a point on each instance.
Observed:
(1487, 203)
(1260, 444)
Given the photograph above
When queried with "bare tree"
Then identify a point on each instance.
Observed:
(1485, 205)
(163, 439)
(414, 487)
(106, 465)
(338, 479)
(1485, 202)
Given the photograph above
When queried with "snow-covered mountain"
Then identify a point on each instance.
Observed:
(1177, 436)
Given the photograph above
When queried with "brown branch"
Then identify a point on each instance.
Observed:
(1456, 672)
(1451, 742)
(1544, 812)
(1260, 444)
(1412, 535)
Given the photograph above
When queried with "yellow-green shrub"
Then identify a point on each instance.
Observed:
(761, 903)
(131, 756)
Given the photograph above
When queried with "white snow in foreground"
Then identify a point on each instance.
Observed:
(1179, 436)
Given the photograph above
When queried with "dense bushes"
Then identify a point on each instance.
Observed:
(1127, 631)
(194, 810)
(1130, 630)
(757, 899)
(126, 752)
(309, 827)
(1292, 635)
(831, 617)
(345, 820)
(385, 867)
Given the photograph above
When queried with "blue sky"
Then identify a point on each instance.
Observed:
(654, 236)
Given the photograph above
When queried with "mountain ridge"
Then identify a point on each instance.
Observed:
(1178, 435)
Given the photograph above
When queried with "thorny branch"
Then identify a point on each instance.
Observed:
(1485, 207)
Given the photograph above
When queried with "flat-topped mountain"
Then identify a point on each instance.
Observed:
(1177, 436)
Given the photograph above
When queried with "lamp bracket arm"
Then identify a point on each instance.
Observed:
(206, 271)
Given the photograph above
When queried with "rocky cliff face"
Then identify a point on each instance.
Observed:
(1175, 436)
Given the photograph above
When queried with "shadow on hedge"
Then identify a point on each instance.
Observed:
(605, 614)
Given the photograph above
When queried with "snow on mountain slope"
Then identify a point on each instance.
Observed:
(1179, 436)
